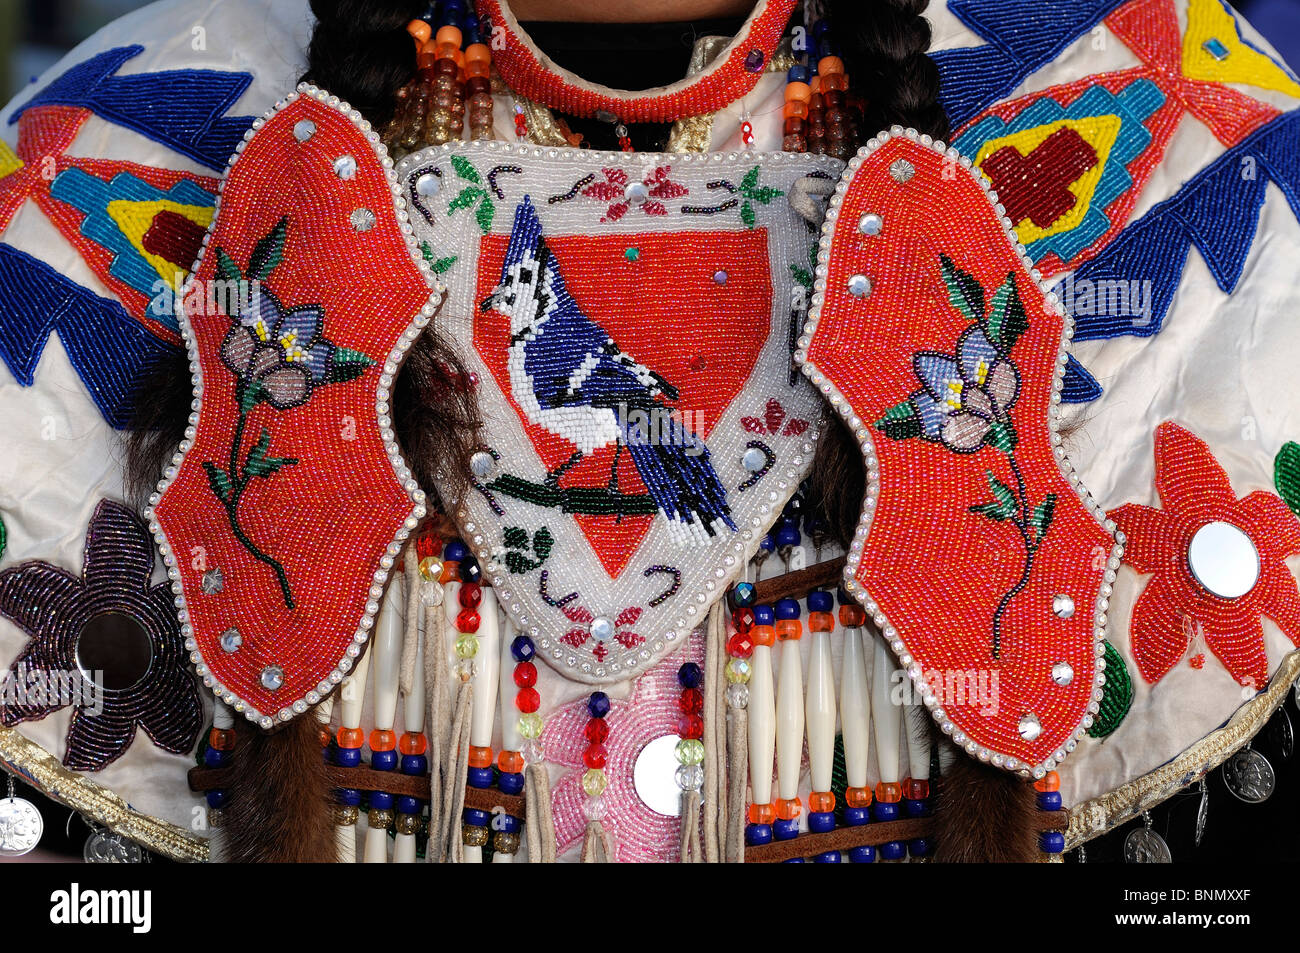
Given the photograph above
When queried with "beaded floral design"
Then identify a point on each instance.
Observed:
(653, 190)
(279, 357)
(55, 607)
(1194, 491)
(620, 630)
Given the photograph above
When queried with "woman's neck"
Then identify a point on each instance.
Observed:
(640, 11)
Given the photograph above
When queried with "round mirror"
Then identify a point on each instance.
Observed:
(114, 651)
(1224, 560)
(655, 776)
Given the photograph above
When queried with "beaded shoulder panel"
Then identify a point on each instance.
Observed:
(282, 514)
(984, 561)
(629, 321)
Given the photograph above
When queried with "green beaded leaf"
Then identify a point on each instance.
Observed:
(1286, 475)
(268, 252)
(485, 213)
(900, 422)
(542, 543)
(1042, 515)
(465, 169)
(803, 276)
(750, 180)
(1003, 506)
(219, 480)
(227, 270)
(1002, 436)
(964, 292)
(466, 198)
(747, 215)
(1007, 319)
(259, 464)
(765, 195)
(1117, 694)
(515, 537)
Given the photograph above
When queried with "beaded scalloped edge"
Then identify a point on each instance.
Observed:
(748, 538)
(863, 436)
(382, 394)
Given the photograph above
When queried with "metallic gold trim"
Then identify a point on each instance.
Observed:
(1107, 811)
(97, 802)
(695, 133)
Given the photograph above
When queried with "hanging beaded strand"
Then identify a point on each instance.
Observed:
(594, 781)
(690, 729)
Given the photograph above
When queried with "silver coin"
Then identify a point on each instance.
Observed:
(20, 826)
(1249, 776)
(106, 847)
(1145, 846)
(1283, 734)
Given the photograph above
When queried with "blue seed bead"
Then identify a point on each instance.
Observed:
(856, 816)
(916, 807)
(480, 777)
(348, 757)
(1052, 842)
(383, 760)
(758, 834)
(689, 675)
(920, 847)
(522, 649)
(455, 551)
(785, 830)
(797, 74)
(1049, 800)
(507, 823)
(217, 797)
(407, 805)
(476, 817)
(744, 594)
(884, 811)
(380, 800)
(819, 822)
(894, 850)
(598, 705)
(819, 600)
(348, 796)
(469, 571)
(787, 608)
(830, 857)
(866, 854)
(764, 615)
(213, 758)
(414, 764)
(510, 783)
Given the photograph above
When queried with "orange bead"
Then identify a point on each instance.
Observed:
(426, 59)
(510, 762)
(351, 737)
(821, 802)
(789, 630)
(889, 792)
(815, 85)
(381, 739)
(450, 572)
(419, 30)
(852, 617)
(412, 742)
(835, 81)
(763, 635)
(480, 757)
(451, 36)
(445, 51)
(1049, 782)
(820, 622)
(794, 110)
(477, 68)
(826, 66)
(799, 91)
(478, 53)
(761, 814)
(788, 810)
(857, 797)
(223, 739)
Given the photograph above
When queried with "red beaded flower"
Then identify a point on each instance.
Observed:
(1194, 491)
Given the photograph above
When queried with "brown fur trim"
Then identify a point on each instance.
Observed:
(279, 808)
(985, 815)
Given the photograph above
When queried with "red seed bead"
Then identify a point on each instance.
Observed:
(467, 620)
(821, 802)
(740, 645)
(690, 726)
(1049, 782)
(852, 616)
(788, 810)
(691, 701)
(889, 792)
(480, 757)
(381, 739)
(471, 595)
(761, 814)
(743, 619)
(916, 789)
(527, 700)
(222, 739)
(763, 635)
(525, 674)
(857, 797)
(595, 756)
(596, 731)
(821, 622)
(351, 737)
(510, 762)
(412, 742)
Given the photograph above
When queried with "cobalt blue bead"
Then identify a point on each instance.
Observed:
(383, 760)
(884, 811)
(764, 615)
(787, 608)
(689, 675)
(510, 783)
(407, 805)
(380, 800)
(455, 551)
(819, 822)
(767, 543)
(785, 830)
(480, 777)
(476, 817)
(213, 758)
(856, 816)
(217, 797)
(744, 594)
(788, 536)
(758, 834)
(916, 807)
(1052, 842)
(348, 796)
(797, 74)
(794, 860)
(821, 28)
(414, 764)
(598, 705)
(894, 850)
(348, 757)
(522, 648)
(819, 600)
(469, 571)
(865, 854)
(507, 823)
(829, 857)
(920, 847)
(1049, 800)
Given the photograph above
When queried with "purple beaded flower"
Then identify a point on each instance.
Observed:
(106, 615)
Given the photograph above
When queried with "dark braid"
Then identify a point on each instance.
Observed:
(883, 44)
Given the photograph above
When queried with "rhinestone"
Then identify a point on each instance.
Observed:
(1062, 606)
(231, 640)
(871, 224)
(754, 460)
(602, 629)
(213, 581)
(345, 167)
(1062, 673)
(272, 677)
(901, 170)
(720, 277)
(754, 61)
(427, 184)
(481, 464)
(362, 219)
(859, 286)
(637, 193)
(304, 129)
(1030, 727)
